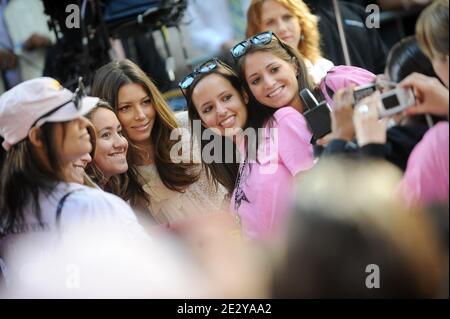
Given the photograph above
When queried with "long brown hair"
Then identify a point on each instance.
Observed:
(107, 82)
(23, 179)
(309, 47)
(124, 185)
(261, 115)
(285, 53)
(224, 173)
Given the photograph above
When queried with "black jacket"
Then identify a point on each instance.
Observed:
(400, 142)
(366, 48)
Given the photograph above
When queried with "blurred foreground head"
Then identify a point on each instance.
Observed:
(350, 237)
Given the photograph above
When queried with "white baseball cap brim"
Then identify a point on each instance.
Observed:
(69, 111)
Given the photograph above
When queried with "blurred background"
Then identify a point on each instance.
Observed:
(166, 38)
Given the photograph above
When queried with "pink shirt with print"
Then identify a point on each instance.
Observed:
(262, 198)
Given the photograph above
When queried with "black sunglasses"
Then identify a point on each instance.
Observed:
(263, 38)
(206, 67)
(78, 95)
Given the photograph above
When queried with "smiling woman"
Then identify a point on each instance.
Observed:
(260, 189)
(109, 166)
(174, 190)
(293, 23)
(273, 72)
(45, 132)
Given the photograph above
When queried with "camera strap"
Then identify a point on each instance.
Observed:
(61, 206)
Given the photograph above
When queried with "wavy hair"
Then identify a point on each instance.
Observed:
(309, 47)
(107, 82)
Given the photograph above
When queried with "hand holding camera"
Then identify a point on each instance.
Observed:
(327, 125)
(369, 128)
(392, 101)
(341, 118)
(431, 95)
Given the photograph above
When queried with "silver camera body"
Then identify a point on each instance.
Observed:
(396, 101)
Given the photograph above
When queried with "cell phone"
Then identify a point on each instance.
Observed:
(360, 92)
(396, 101)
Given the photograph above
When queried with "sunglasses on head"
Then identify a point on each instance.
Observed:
(205, 68)
(78, 95)
(263, 38)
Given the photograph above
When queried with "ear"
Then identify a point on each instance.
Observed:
(245, 97)
(35, 136)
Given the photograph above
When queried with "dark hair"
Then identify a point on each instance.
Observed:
(23, 179)
(405, 58)
(259, 114)
(2, 153)
(107, 82)
(225, 173)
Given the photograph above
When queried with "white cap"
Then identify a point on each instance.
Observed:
(24, 104)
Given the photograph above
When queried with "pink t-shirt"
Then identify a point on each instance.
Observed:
(426, 176)
(262, 197)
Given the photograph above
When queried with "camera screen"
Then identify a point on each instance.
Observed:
(391, 101)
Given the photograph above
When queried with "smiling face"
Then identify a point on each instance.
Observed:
(77, 169)
(111, 145)
(272, 80)
(220, 106)
(136, 113)
(277, 18)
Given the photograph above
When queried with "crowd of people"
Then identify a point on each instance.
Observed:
(240, 196)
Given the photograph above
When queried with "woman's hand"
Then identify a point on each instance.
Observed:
(341, 118)
(368, 127)
(431, 95)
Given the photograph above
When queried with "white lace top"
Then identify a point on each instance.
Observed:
(167, 206)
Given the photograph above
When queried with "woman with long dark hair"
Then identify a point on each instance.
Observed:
(176, 187)
(273, 146)
(44, 132)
